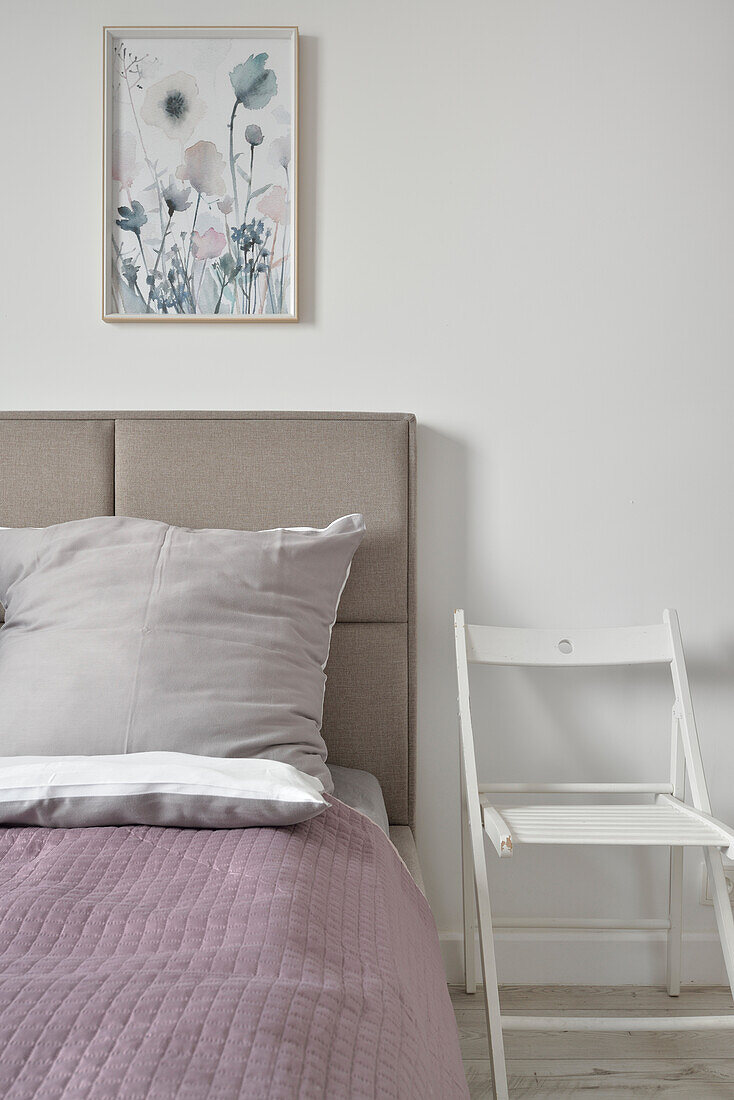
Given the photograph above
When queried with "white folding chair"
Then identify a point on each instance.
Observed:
(668, 820)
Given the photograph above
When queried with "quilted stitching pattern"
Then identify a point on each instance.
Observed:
(284, 963)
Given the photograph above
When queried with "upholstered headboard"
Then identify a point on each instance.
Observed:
(258, 470)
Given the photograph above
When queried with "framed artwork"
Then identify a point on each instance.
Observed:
(200, 174)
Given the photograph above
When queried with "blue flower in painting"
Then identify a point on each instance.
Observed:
(227, 267)
(250, 235)
(253, 135)
(166, 301)
(175, 198)
(134, 219)
(253, 84)
(129, 272)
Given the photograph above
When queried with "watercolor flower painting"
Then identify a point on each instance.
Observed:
(200, 175)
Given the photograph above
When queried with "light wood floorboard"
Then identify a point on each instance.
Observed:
(547, 1065)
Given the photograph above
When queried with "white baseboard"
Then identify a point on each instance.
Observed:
(590, 958)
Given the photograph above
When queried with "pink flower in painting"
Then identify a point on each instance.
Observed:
(123, 168)
(209, 245)
(226, 204)
(274, 204)
(202, 167)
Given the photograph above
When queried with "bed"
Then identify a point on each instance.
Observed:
(293, 962)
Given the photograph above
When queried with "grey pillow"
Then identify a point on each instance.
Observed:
(128, 635)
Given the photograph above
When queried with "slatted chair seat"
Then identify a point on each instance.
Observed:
(663, 822)
(668, 820)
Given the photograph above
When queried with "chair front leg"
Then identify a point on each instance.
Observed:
(675, 915)
(469, 901)
(500, 1088)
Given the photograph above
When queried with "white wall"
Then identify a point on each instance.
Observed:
(517, 223)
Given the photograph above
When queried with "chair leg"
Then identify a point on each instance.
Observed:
(675, 913)
(469, 903)
(500, 1089)
(722, 909)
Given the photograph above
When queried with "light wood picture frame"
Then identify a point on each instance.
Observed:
(200, 174)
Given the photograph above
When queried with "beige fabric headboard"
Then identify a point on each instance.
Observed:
(258, 470)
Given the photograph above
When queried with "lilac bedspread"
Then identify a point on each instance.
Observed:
(260, 963)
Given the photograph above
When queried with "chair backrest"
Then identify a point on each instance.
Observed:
(628, 645)
(567, 648)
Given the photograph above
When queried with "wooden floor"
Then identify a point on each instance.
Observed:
(690, 1064)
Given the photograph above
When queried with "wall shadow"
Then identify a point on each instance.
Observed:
(309, 111)
(442, 504)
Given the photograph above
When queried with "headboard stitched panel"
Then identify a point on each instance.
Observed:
(255, 470)
(52, 471)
